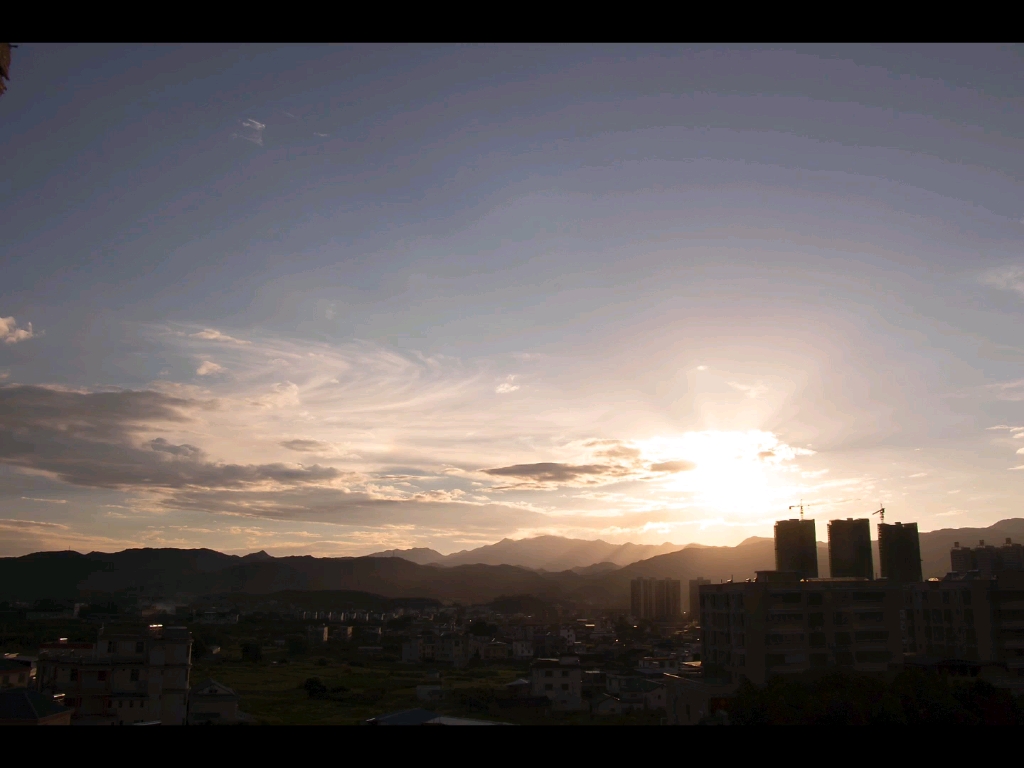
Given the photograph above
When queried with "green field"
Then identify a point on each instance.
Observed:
(274, 694)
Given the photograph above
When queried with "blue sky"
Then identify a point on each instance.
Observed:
(332, 299)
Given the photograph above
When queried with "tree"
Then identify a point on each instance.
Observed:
(314, 687)
(251, 651)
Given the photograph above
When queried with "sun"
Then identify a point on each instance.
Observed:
(736, 474)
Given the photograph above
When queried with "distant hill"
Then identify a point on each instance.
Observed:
(166, 572)
(548, 553)
(420, 555)
(600, 582)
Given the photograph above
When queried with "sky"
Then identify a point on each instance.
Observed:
(330, 300)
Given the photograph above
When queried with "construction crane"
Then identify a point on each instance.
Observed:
(881, 513)
(799, 506)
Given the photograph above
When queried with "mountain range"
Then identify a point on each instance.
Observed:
(169, 572)
(547, 553)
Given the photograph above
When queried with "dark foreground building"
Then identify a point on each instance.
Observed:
(849, 548)
(987, 560)
(796, 548)
(899, 552)
(781, 624)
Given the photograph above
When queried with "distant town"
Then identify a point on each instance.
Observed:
(685, 651)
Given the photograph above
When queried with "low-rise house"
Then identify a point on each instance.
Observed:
(317, 635)
(606, 704)
(14, 673)
(560, 680)
(451, 647)
(212, 703)
(637, 692)
(494, 651)
(411, 653)
(689, 700)
(657, 665)
(522, 649)
(218, 617)
(24, 706)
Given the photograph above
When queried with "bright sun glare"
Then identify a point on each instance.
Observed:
(736, 474)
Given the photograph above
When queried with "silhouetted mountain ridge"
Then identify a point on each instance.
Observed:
(167, 572)
(548, 553)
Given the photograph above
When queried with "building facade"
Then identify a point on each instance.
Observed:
(899, 552)
(124, 678)
(849, 549)
(780, 624)
(655, 598)
(987, 560)
(796, 548)
(972, 618)
(560, 680)
(693, 607)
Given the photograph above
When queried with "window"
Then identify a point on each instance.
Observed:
(565, 673)
(814, 598)
(140, 647)
(101, 676)
(74, 675)
(967, 597)
(134, 676)
(120, 704)
(945, 598)
(565, 686)
(111, 646)
(548, 673)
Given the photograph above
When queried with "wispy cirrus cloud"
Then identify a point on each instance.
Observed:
(210, 334)
(250, 130)
(1009, 277)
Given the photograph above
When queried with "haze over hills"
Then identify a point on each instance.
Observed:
(548, 553)
(166, 572)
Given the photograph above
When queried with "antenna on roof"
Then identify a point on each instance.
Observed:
(800, 506)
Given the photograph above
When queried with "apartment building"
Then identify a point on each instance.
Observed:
(124, 678)
(849, 548)
(970, 617)
(899, 552)
(782, 624)
(796, 548)
(655, 598)
(987, 559)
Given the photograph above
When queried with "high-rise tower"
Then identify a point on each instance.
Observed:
(899, 552)
(849, 548)
(796, 548)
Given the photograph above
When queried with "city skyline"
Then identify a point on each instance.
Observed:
(337, 299)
